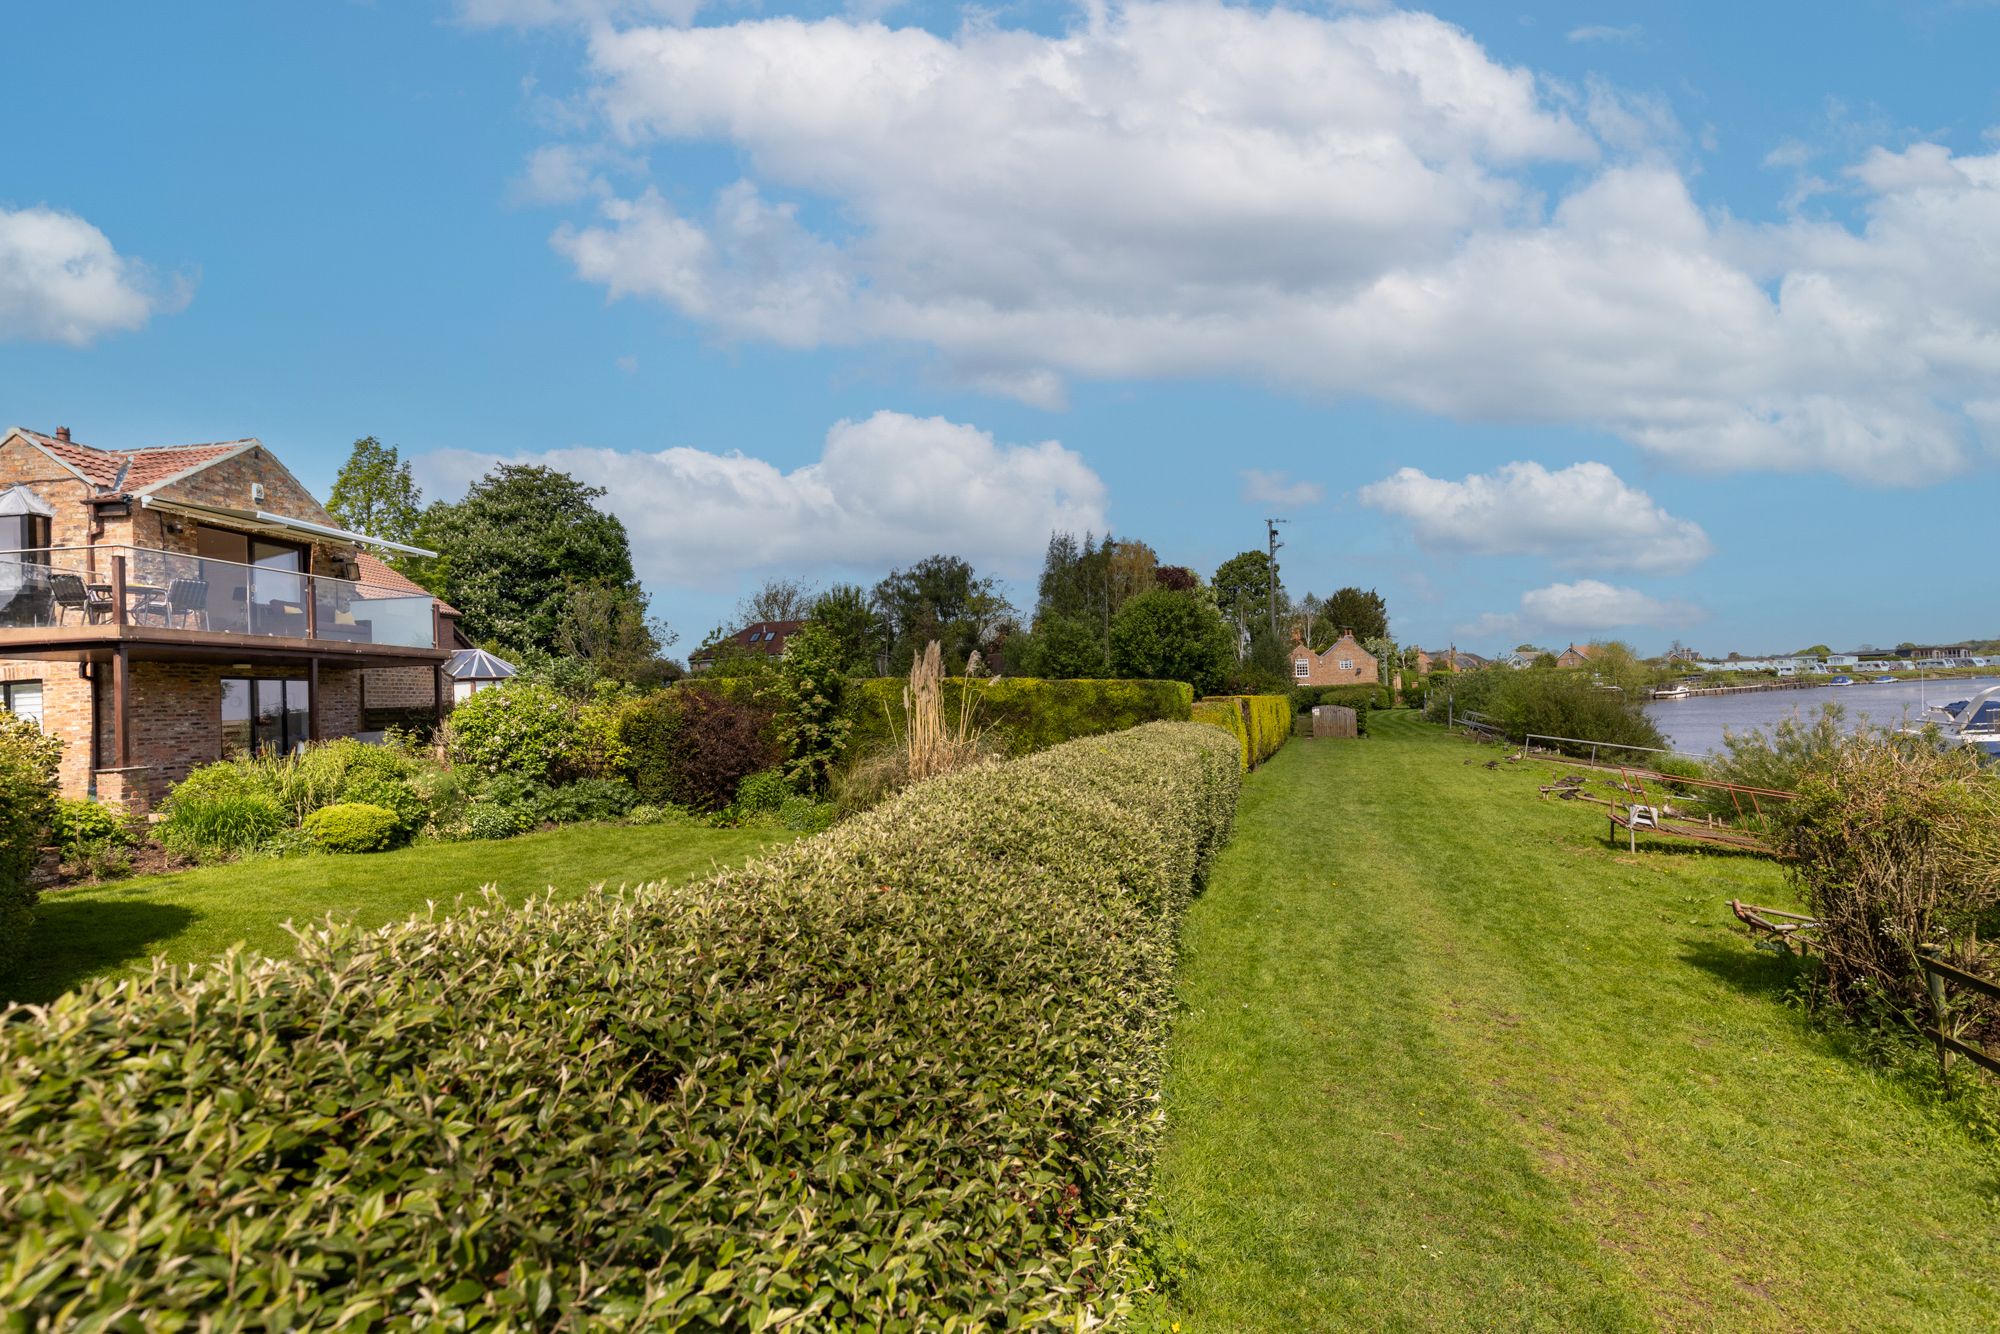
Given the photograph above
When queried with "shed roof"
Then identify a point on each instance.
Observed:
(476, 664)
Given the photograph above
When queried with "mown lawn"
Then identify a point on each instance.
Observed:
(1449, 1060)
(191, 915)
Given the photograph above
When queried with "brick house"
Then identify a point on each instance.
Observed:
(1343, 663)
(1576, 657)
(161, 608)
(763, 638)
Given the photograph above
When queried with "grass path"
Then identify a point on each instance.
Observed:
(191, 915)
(1450, 1060)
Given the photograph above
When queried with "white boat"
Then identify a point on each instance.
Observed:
(1841, 681)
(1671, 692)
(1967, 722)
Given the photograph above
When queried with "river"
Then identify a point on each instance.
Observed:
(1694, 726)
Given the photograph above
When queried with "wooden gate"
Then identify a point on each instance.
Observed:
(1333, 720)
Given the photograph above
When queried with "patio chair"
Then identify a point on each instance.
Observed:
(185, 598)
(71, 595)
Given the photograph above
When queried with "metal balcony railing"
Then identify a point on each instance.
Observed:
(53, 587)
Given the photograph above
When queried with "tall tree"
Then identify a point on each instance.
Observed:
(511, 551)
(375, 494)
(1365, 613)
(608, 626)
(1242, 587)
(1169, 636)
(777, 600)
(854, 628)
(941, 598)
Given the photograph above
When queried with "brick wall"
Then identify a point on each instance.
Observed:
(1324, 669)
(65, 714)
(22, 463)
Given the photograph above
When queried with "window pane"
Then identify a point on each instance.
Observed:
(13, 532)
(235, 717)
(267, 722)
(24, 699)
(298, 714)
(224, 555)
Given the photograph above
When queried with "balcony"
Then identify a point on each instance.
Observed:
(80, 602)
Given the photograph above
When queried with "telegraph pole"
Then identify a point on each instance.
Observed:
(1271, 535)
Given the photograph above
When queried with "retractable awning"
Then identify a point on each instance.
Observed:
(265, 522)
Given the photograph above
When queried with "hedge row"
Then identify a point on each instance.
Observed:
(1260, 723)
(28, 761)
(904, 1074)
(1024, 714)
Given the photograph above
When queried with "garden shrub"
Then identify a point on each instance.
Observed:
(902, 1075)
(811, 693)
(1023, 715)
(1551, 703)
(1894, 842)
(354, 826)
(692, 745)
(209, 825)
(486, 819)
(584, 800)
(80, 828)
(28, 760)
(764, 791)
(399, 798)
(521, 728)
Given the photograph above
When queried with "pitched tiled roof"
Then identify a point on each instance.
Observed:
(378, 573)
(767, 637)
(134, 470)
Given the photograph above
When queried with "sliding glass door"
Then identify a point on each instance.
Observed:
(255, 585)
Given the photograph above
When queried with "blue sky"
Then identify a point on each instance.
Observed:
(1569, 321)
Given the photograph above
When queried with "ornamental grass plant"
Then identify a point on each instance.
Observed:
(904, 1074)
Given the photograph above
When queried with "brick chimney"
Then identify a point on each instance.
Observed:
(62, 434)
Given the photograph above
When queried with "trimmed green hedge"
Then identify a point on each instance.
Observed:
(1023, 713)
(904, 1074)
(28, 809)
(1261, 724)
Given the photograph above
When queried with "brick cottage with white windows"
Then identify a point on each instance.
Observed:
(162, 608)
(1343, 663)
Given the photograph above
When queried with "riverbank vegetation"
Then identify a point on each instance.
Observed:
(1547, 702)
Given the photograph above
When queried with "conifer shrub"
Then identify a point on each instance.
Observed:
(901, 1075)
(354, 826)
(1261, 724)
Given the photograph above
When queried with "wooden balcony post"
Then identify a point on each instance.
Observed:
(118, 611)
(312, 698)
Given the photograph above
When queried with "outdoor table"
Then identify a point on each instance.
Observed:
(138, 597)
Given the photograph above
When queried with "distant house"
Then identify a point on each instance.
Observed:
(1343, 663)
(763, 638)
(1573, 656)
(1449, 660)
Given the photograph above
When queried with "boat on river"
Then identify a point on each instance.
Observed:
(1883, 681)
(1967, 722)
(1841, 681)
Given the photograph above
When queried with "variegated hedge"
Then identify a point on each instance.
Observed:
(902, 1074)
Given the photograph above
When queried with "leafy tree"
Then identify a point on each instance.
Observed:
(1063, 648)
(1544, 662)
(777, 600)
(607, 626)
(1816, 651)
(1365, 613)
(1131, 568)
(510, 552)
(941, 598)
(1177, 578)
(1168, 636)
(853, 626)
(811, 722)
(1242, 587)
(375, 494)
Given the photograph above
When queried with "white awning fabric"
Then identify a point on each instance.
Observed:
(265, 521)
(18, 500)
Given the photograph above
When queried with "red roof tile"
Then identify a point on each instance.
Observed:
(134, 469)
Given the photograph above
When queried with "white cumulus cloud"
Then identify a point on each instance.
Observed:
(1582, 517)
(1350, 203)
(884, 491)
(61, 281)
(1586, 607)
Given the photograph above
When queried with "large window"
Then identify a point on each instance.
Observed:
(254, 584)
(25, 532)
(22, 699)
(264, 715)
